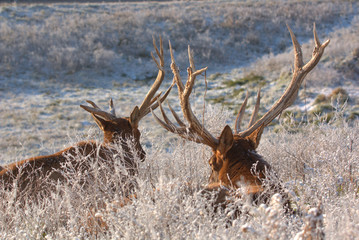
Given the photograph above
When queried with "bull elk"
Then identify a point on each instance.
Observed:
(235, 162)
(34, 175)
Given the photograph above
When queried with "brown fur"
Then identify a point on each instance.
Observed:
(236, 164)
(36, 175)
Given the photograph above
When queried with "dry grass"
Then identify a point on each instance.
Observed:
(302, 160)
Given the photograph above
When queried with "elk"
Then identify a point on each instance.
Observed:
(35, 175)
(235, 162)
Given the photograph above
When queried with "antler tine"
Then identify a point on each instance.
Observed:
(291, 92)
(167, 120)
(192, 74)
(181, 131)
(317, 52)
(179, 121)
(98, 111)
(175, 70)
(256, 109)
(112, 109)
(159, 53)
(163, 124)
(239, 118)
(190, 58)
(93, 104)
(298, 56)
(154, 103)
(144, 108)
(184, 93)
(155, 60)
(155, 98)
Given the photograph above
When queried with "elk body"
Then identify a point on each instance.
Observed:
(235, 162)
(36, 175)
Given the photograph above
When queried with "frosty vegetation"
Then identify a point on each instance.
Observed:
(169, 204)
(55, 56)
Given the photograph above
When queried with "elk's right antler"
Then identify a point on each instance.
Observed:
(196, 132)
(290, 94)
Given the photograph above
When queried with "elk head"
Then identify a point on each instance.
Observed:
(121, 129)
(235, 162)
(30, 173)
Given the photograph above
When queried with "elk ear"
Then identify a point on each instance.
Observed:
(225, 140)
(101, 123)
(134, 117)
(255, 137)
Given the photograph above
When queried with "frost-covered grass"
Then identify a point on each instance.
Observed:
(318, 165)
(55, 56)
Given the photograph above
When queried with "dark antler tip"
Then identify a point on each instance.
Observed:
(84, 107)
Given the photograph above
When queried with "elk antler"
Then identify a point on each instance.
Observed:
(96, 110)
(149, 102)
(195, 132)
(290, 94)
(240, 115)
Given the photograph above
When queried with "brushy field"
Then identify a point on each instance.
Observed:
(55, 56)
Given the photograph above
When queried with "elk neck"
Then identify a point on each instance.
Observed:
(125, 139)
